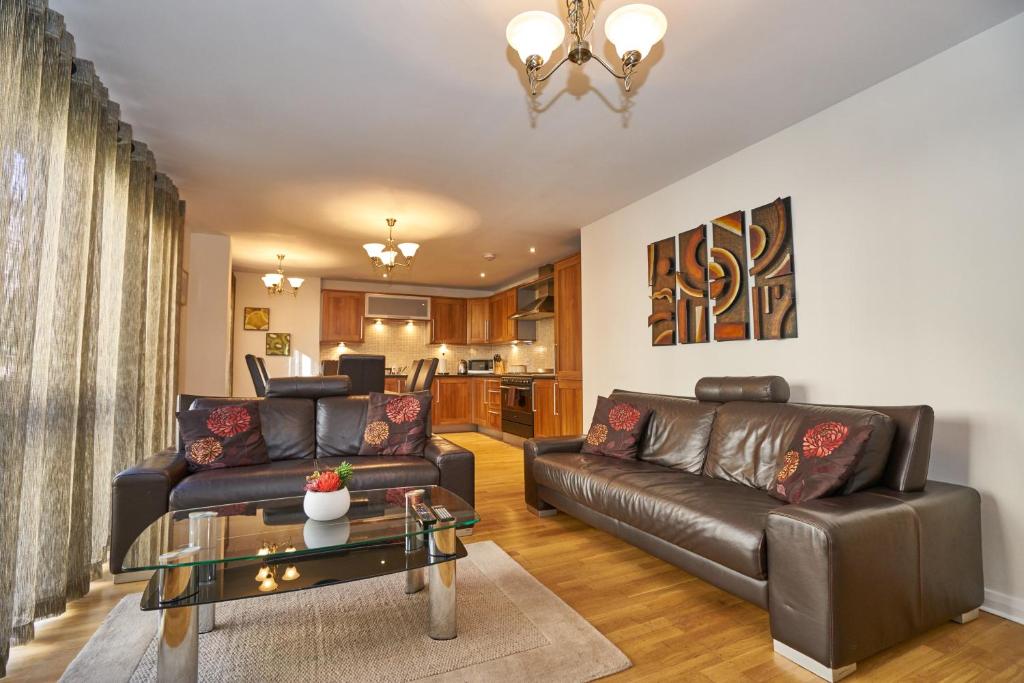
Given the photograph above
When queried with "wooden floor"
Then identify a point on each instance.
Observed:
(671, 625)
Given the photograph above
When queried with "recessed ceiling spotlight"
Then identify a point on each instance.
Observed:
(490, 256)
(533, 250)
(483, 274)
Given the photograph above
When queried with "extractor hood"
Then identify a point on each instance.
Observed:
(543, 303)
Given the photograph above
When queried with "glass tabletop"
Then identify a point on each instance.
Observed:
(276, 529)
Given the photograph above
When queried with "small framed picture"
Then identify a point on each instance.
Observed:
(256, 319)
(279, 344)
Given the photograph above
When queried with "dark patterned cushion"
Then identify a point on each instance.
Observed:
(396, 424)
(227, 436)
(821, 459)
(616, 428)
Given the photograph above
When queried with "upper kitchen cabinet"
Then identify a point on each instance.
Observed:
(447, 320)
(569, 319)
(478, 313)
(341, 316)
(501, 327)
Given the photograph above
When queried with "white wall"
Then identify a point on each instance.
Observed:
(298, 315)
(206, 318)
(908, 244)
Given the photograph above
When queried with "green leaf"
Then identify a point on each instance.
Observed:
(344, 472)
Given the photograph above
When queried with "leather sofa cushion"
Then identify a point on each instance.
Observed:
(288, 477)
(749, 440)
(719, 520)
(678, 431)
(340, 423)
(287, 424)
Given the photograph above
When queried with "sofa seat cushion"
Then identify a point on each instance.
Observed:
(285, 478)
(719, 520)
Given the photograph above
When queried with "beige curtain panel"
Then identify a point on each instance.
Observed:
(90, 257)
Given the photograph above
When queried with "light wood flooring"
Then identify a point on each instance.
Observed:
(674, 627)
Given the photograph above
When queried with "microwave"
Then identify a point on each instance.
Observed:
(480, 366)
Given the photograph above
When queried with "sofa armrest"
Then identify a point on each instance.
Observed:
(849, 576)
(536, 447)
(139, 496)
(455, 465)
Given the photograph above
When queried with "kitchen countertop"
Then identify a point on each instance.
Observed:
(491, 375)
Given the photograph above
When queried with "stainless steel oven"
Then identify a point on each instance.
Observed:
(517, 405)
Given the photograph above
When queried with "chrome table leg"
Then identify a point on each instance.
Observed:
(201, 535)
(415, 579)
(178, 648)
(442, 585)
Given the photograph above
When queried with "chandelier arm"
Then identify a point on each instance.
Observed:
(541, 79)
(612, 71)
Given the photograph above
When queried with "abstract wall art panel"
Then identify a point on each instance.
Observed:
(728, 275)
(692, 278)
(279, 344)
(774, 291)
(661, 256)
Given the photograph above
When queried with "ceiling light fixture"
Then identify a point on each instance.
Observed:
(388, 256)
(274, 282)
(632, 29)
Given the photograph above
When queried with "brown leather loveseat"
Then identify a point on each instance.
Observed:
(301, 418)
(842, 577)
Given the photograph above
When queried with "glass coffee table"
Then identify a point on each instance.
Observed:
(214, 554)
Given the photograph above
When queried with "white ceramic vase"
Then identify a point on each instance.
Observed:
(325, 534)
(323, 507)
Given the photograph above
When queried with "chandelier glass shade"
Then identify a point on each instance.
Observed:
(390, 255)
(275, 282)
(632, 29)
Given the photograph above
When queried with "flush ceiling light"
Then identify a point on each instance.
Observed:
(632, 29)
(274, 282)
(388, 256)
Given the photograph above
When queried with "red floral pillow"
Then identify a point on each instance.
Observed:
(821, 459)
(227, 436)
(396, 424)
(616, 429)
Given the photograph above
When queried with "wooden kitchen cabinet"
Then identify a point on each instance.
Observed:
(492, 402)
(569, 407)
(569, 319)
(341, 316)
(545, 420)
(478, 315)
(395, 385)
(479, 392)
(452, 401)
(501, 329)
(447, 320)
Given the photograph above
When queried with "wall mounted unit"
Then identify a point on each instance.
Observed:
(397, 307)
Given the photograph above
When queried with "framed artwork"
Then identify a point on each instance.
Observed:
(256, 319)
(279, 344)
(774, 292)
(692, 278)
(661, 276)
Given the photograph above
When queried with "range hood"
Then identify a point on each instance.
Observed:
(543, 304)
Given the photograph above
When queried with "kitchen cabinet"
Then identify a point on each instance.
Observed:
(452, 401)
(545, 420)
(395, 385)
(492, 402)
(479, 392)
(569, 319)
(569, 407)
(447, 320)
(478, 316)
(341, 316)
(500, 329)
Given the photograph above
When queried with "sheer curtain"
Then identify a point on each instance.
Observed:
(90, 256)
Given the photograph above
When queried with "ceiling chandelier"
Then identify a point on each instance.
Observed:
(388, 256)
(274, 282)
(632, 29)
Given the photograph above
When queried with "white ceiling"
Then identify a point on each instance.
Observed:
(300, 126)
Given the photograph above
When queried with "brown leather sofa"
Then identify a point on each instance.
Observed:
(842, 577)
(301, 418)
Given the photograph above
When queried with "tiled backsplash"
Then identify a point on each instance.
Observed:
(401, 343)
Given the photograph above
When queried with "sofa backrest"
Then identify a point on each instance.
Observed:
(677, 433)
(340, 423)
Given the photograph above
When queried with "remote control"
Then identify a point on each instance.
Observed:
(424, 514)
(442, 514)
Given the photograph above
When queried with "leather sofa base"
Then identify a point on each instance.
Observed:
(751, 590)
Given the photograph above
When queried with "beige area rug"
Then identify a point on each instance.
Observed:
(510, 627)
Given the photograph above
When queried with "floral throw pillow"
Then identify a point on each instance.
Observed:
(227, 436)
(616, 429)
(396, 424)
(820, 460)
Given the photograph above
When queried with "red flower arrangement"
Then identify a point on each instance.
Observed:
(228, 421)
(623, 417)
(821, 439)
(329, 480)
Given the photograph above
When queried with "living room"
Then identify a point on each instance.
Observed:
(552, 340)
